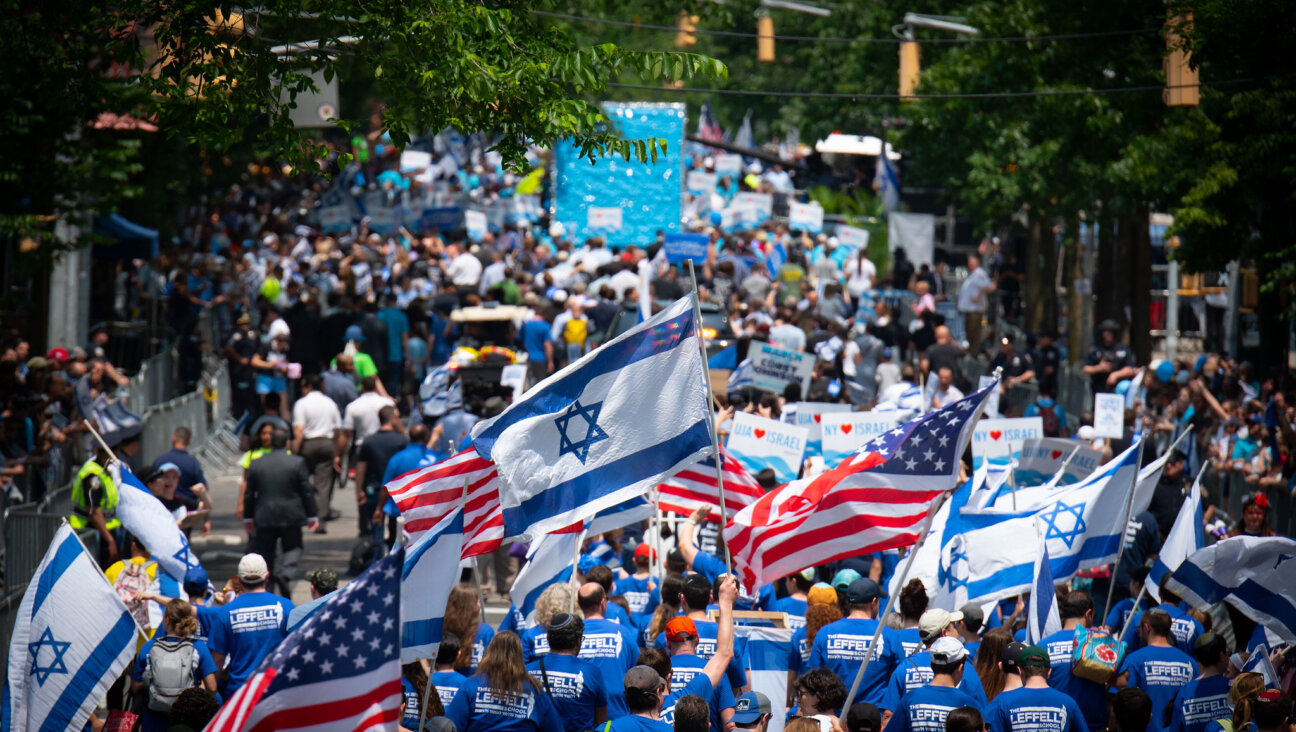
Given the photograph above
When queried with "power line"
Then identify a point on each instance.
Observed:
(965, 95)
(830, 39)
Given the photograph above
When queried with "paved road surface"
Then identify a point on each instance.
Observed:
(220, 552)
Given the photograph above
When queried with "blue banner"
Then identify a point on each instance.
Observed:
(683, 247)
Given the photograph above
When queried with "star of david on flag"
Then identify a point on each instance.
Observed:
(1065, 522)
(607, 427)
(72, 637)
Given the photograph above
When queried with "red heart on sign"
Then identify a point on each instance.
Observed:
(996, 434)
(760, 434)
(846, 428)
(1057, 454)
(818, 417)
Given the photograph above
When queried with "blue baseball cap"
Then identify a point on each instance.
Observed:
(195, 580)
(750, 707)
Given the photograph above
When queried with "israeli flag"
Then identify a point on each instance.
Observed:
(1256, 575)
(549, 561)
(778, 256)
(147, 519)
(605, 428)
(71, 639)
(1259, 663)
(623, 514)
(1084, 524)
(431, 570)
(1186, 537)
(769, 656)
(1044, 619)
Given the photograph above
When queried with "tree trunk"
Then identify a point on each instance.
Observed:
(1072, 273)
(1104, 276)
(1040, 298)
(1140, 285)
(1120, 273)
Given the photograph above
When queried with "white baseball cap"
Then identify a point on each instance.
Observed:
(252, 568)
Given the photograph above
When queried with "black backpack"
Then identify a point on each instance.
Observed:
(363, 554)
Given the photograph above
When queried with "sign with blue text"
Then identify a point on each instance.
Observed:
(760, 443)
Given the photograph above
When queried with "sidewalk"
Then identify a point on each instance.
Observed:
(220, 552)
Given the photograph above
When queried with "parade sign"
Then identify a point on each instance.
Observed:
(760, 443)
(1041, 459)
(683, 247)
(1109, 415)
(809, 415)
(843, 434)
(1000, 440)
(773, 368)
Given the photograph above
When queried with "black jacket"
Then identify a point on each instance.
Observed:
(279, 491)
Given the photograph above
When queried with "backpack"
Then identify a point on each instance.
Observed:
(1096, 655)
(576, 330)
(1048, 415)
(171, 668)
(363, 554)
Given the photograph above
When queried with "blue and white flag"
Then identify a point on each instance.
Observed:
(148, 520)
(549, 561)
(1084, 524)
(886, 182)
(769, 656)
(778, 257)
(744, 375)
(430, 571)
(623, 514)
(1185, 538)
(605, 428)
(71, 639)
(1253, 574)
(1044, 619)
(1259, 663)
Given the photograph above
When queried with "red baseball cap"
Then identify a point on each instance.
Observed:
(57, 354)
(681, 628)
(643, 550)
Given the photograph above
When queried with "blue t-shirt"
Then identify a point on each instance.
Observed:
(397, 325)
(535, 334)
(411, 457)
(410, 709)
(799, 660)
(636, 723)
(1182, 626)
(157, 721)
(915, 672)
(447, 683)
(684, 668)
(207, 615)
(249, 628)
(477, 708)
(613, 649)
(736, 673)
(708, 566)
(1161, 672)
(795, 609)
(1199, 703)
(1120, 615)
(575, 686)
(639, 594)
(618, 615)
(484, 636)
(699, 685)
(1091, 697)
(909, 640)
(535, 643)
(924, 709)
(842, 646)
(1035, 710)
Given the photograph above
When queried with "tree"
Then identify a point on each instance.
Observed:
(208, 75)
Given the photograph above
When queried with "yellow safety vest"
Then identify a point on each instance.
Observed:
(81, 507)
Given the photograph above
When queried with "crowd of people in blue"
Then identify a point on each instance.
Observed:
(332, 342)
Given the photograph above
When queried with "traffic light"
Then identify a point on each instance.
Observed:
(765, 38)
(1181, 79)
(684, 35)
(908, 69)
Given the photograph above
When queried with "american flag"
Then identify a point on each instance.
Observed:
(339, 670)
(427, 495)
(708, 128)
(695, 486)
(875, 500)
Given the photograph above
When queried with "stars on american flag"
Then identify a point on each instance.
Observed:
(924, 446)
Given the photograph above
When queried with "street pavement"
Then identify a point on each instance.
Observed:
(221, 550)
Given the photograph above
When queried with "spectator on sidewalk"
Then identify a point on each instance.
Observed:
(317, 438)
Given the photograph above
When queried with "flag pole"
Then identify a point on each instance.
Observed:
(477, 580)
(112, 456)
(1133, 611)
(891, 597)
(710, 416)
(1124, 527)
(571, 604)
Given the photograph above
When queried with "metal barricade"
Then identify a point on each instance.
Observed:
(28, 533)
(1017, 398)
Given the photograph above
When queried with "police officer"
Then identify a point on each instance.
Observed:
(1109, 361)
(1017, 367)
(94, 497)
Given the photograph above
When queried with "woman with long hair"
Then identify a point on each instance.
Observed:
(414, 684)
(502, 696)
(988, 656)
(671, 588)
(179, 629)
(463, 618)
(1246, 688)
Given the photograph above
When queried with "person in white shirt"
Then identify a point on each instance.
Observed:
(465, 269)
(317, 437)
(972, 301)
(946, 392)
(887, 373)
(361, 417)
(861, 273)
